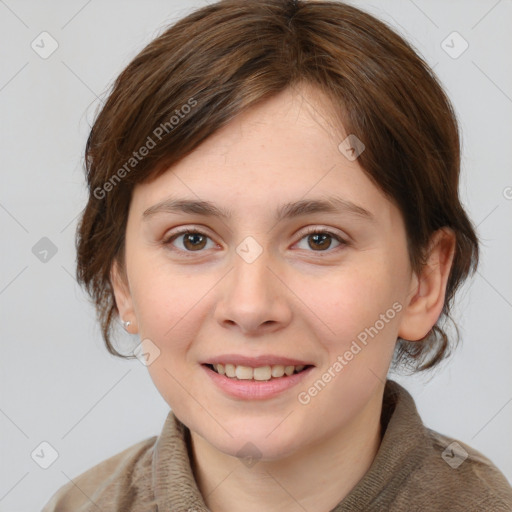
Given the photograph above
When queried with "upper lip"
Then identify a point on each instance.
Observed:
(255, 362)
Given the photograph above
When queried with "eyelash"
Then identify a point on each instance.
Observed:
(192, 231)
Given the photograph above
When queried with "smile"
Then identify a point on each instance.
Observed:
(261, 373)
(255, 383)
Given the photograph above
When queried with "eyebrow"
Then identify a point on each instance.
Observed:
(330, 204)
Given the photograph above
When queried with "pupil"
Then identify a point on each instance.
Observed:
(323, 236)
(193, 239)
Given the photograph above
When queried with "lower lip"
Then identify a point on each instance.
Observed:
(255, 389)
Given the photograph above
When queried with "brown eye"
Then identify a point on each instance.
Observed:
(191, 241)
(194, 241)
(319, 240)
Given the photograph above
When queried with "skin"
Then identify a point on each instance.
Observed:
(300, 298)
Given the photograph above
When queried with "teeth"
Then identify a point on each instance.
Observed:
(277, 371)
(243, 372)
(261, 373)
(289, 370)
(230, 370)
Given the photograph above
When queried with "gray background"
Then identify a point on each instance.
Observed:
(58, 384)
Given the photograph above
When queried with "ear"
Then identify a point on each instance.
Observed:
(123, 297)
(428, 289)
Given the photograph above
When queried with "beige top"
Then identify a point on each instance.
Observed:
(413, 471)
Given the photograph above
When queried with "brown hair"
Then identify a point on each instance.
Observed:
(224, 58)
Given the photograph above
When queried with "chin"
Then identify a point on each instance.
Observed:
(258, 441)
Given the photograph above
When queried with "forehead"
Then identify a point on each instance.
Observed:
(283, 150)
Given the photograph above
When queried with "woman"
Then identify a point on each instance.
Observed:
(274, 211)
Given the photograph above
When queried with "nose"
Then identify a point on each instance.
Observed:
(253, 297)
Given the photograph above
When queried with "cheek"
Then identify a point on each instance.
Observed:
(165, 301)
(168, 310)
(360, 310)
(348, 302)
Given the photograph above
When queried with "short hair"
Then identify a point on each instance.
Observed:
(222, 59)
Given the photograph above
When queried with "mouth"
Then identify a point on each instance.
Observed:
(260, 373)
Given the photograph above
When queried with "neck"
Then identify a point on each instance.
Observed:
(316, 477)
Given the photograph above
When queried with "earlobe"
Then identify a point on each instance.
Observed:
(428, 289)
(123, 298)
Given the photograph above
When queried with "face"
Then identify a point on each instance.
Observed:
(268, 284)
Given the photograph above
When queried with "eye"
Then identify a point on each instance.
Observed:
(320, 239)
(193, 240)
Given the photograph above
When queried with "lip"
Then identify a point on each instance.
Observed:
(256, 362)
(254, 389)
